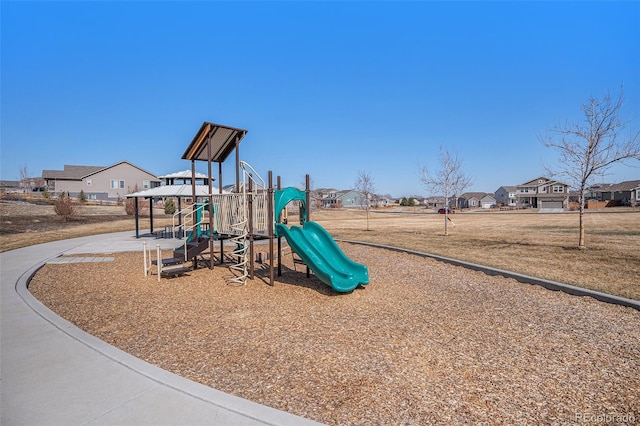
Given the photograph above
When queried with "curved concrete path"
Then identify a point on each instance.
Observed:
(53, 373)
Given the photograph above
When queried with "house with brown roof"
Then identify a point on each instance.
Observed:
(542, 193)
(470, 200)
(624, 193)
(99, 182)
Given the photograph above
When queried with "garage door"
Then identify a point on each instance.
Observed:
(550, 204)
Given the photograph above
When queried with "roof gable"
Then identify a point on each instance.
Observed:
(470, 195)
(546, 181)
(536, 181)
(71, 172)
(118, 164)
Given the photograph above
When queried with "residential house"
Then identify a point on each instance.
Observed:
(470, 200)
(621, 193)
(332, 198)
(381, 200)
(506, 196)
(10, 186)
(328, 197)
(438, 202)
(100, 183)
(23, 186)
(542, 193)
(487, 201)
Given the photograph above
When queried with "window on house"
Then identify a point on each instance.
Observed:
(88, 182)
(558, 188)
(93, 197)
(145, 184)
(121, 184)
(113, 184)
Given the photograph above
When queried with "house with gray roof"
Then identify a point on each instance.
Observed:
(543, 193)
(332, 198)
(506, 196)
(623, 193)
(470, 200)
(98, 182)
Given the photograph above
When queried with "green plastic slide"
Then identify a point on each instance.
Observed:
(320, 252)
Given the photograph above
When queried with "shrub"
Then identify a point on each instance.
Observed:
(169, 207)
(82, 197)
(64, 207)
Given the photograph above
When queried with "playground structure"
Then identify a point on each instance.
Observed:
(254, 210)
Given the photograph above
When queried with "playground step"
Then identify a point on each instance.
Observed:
(169, 261)
(194, 248)
(175, 271)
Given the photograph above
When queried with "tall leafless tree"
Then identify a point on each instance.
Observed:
(365, 184)
(588, 149)
(450, 178)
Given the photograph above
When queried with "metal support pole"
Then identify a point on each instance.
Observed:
(210, 198)
(159, 260)
(144, 254)
(271, 214)
(307, 208)
(251, 252)
(237, 165)
(151, 213)
(279, 237)
(193, 198)
(135, 209)
(220, 192)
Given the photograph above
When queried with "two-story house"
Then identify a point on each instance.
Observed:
(542, 193)
(100, 183)
(345, 198)
(506, 196)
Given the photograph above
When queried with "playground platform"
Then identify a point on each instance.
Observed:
(53, 373)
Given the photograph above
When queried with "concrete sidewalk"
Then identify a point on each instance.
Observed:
(53, 373)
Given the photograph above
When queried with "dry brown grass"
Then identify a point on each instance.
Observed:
(25, 224)
(540, 245)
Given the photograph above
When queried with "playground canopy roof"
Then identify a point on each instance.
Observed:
(174, 191)
(185, 174)
(213, 142)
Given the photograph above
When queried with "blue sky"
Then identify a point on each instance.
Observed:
(325, 88)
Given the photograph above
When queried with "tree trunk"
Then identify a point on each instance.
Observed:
(367, 218)
(446, 225)
(581, 238)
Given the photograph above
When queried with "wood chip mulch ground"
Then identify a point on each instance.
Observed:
(424, 343)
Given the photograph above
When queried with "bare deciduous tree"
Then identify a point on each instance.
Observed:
(587, 150)
(366, 186)
(24, 179)
(450, 179)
